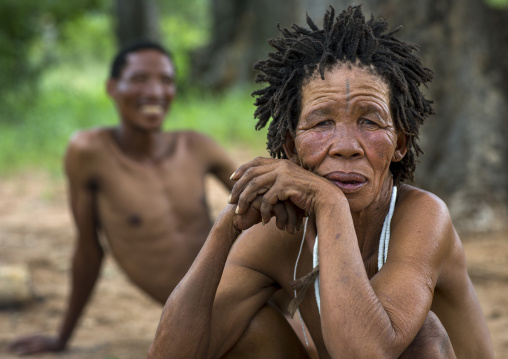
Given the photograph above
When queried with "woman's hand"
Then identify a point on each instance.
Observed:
(278, 188)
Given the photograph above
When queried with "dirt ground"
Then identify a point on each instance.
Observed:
(36, 231)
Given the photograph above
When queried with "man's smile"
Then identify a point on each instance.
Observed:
(152, 109)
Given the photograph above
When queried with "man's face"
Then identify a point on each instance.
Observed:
(346, 133)
(145, 90)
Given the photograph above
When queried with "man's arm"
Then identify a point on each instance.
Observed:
(87, 256)
(88, 253)
(219, 162)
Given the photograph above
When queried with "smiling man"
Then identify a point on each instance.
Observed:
(143, 188)
(380, 269)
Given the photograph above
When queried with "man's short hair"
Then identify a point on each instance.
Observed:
(120, 60)
(301, 53)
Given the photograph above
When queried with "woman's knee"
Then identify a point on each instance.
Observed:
(432, 341)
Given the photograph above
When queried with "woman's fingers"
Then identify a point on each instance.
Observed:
(247, 174)
(258, 161)
(281, 215)
(293, 216)
(250, 217)
(244, 193)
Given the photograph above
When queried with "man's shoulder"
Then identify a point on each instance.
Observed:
(194, 143)
(188, 137)
(87, 142)
(84, 145)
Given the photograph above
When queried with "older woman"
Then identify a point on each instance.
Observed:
(382, 271)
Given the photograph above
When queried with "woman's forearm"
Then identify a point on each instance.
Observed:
(184, 328)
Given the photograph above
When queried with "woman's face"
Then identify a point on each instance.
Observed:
(346, 134)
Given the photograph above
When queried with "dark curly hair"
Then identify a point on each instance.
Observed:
(349, 38)
(120, 59)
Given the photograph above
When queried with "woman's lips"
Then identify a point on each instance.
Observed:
(347, 182)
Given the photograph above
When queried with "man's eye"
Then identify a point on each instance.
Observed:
(138, 79)
(167, 81)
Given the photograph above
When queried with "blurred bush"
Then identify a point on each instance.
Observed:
(29, 30)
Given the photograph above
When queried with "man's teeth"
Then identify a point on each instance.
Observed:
(151, 109)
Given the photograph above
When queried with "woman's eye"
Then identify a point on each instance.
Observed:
(323, 123)
(369, 123)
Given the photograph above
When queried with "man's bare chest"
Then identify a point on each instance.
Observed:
(132, 195)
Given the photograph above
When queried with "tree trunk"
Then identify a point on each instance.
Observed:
(239, 34)
(465, 158)
(136, 20)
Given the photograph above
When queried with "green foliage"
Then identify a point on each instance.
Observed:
(87, 39)
(184, 27)
(28, 32)
(228, 118)
(500, 4)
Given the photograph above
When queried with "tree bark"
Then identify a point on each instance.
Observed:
(466, 153)
(239, 34)
(136, 20)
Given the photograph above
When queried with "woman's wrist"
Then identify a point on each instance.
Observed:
(225, 223)
(331, 203)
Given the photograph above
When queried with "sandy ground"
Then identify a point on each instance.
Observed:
(36, 231)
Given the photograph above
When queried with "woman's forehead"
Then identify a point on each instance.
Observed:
(346, 72)
(345, 82)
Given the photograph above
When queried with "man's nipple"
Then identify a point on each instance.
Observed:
(134, 220)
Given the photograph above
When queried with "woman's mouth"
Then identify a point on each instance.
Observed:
(347, 182)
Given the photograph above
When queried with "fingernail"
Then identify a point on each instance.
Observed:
(229, 199)
(263, 221)
(236, 210)
(233, 175)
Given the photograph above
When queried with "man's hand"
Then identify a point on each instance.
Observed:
(36, 344)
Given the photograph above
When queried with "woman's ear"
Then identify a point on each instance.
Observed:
(290, 149)
(401, 148)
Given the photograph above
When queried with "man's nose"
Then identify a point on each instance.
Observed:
(345, 143)
(154, 89)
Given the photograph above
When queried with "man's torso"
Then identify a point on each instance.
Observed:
(155, 216)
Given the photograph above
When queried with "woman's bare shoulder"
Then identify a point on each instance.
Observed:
(422, 224)
(413, 201)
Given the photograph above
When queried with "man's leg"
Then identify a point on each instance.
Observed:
(432, 341)
(268, 336)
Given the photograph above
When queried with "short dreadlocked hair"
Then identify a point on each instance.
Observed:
(301, 53)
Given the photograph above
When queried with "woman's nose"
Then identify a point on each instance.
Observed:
(345, 143)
